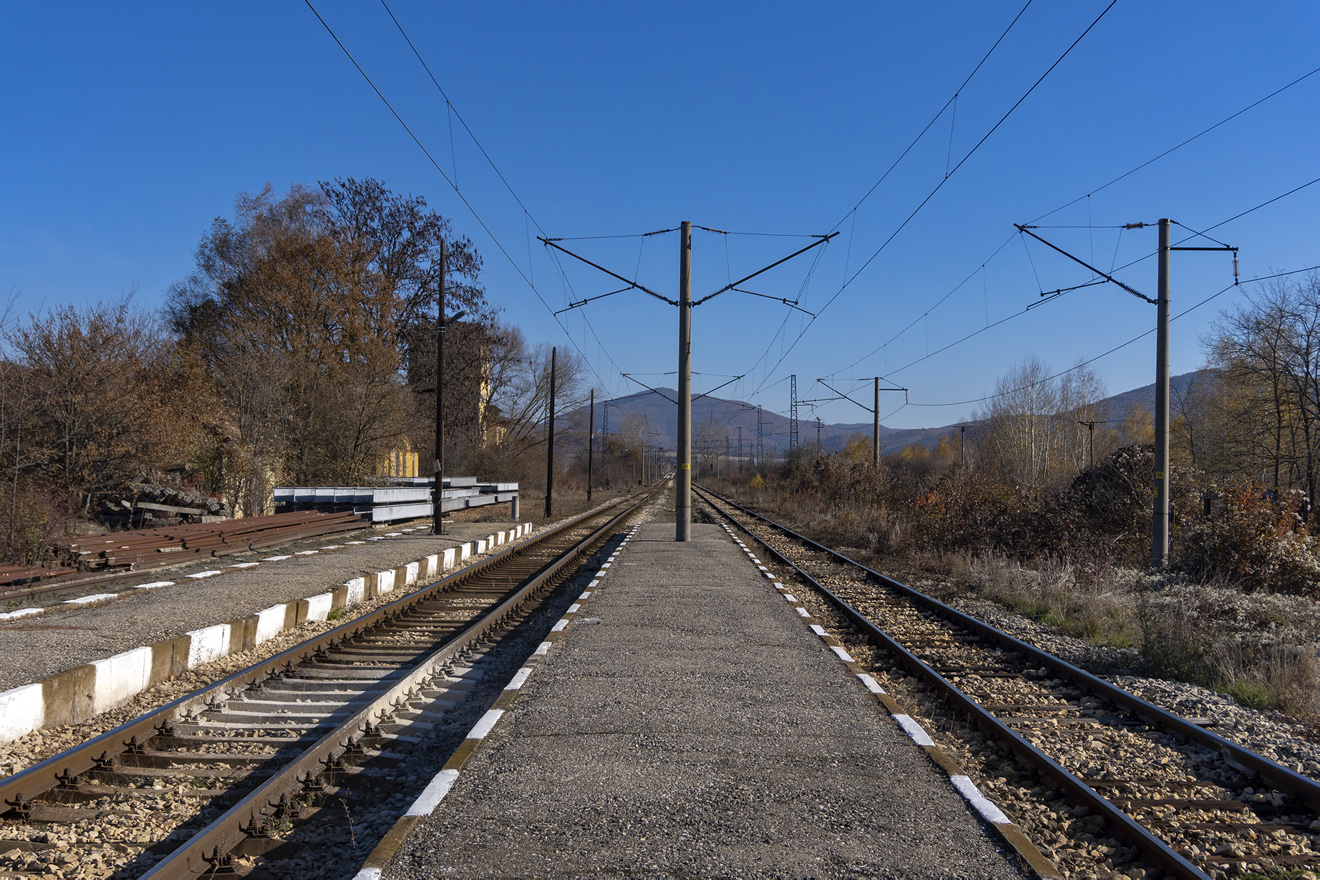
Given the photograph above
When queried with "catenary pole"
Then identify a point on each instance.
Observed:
(1159, 549)
(683, 477)
(550, 442)
(591, 440)
(875, 439)
(438, 490)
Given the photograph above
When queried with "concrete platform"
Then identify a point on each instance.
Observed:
(689, 723)
(77, 659)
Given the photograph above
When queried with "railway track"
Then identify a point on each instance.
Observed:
(219, 781)
(1150, 794)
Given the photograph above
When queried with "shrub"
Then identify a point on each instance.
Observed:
(32, 517)
(1256, 540)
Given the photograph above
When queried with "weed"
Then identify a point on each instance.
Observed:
(352, 837)
(335, 614)
(1251, 694)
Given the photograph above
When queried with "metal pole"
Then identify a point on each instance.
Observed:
(1159, 545)
(438, 490)
(550, 442)
(591, 441)
(683, 478)
(875, 441)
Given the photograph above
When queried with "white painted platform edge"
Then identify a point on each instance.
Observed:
(433, 794)
(122, 676)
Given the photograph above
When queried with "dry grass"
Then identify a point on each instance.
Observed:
(1259, 647)
(1099, 607)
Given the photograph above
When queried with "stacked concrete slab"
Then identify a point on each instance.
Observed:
(410, 498)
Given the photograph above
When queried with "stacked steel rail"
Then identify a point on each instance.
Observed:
(118, 556)
(151, 548)
(17, 575)
(953, 653)
(353, 696)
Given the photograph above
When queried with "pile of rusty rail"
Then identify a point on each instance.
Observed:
(15, 575)
(151, 548)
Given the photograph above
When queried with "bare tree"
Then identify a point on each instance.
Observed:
(101, 396)
(1034, 435)
(1267, 353)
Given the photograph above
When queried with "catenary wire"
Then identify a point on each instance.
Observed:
(934, 119)
(1178, 146)
(1118, 347)
(940, 184)
(1034, 305)
(1113, 269)
(460, 195)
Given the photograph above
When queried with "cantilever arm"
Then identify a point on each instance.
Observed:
(631, 284)
(732, 285)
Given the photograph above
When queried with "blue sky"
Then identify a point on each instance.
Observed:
(129, 127)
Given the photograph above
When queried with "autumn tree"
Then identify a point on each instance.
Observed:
(97, 395)
(306, 311)
(1266, 353)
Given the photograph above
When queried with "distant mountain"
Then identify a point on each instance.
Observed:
(655, 414)
(1117, 407)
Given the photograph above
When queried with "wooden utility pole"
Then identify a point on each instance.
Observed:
(683, 477)
(550, 442)
(1090, 437)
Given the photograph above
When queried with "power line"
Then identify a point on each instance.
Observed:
(935, 118)
(1148, 162)
(1057, 295)
(1236, 216)
(451, 183)
(451, 107)
(1118, 347)
(601, 237)
(970, 153)
(943, 181)
(1180, 145)
(926, 313)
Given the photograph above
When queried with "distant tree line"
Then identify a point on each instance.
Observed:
(1020, 481)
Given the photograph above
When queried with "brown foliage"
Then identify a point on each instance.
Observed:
(96, 396)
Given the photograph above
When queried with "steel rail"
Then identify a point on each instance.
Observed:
(1159, 853)
(1279, 777)
(22, 787)
(229, 829)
